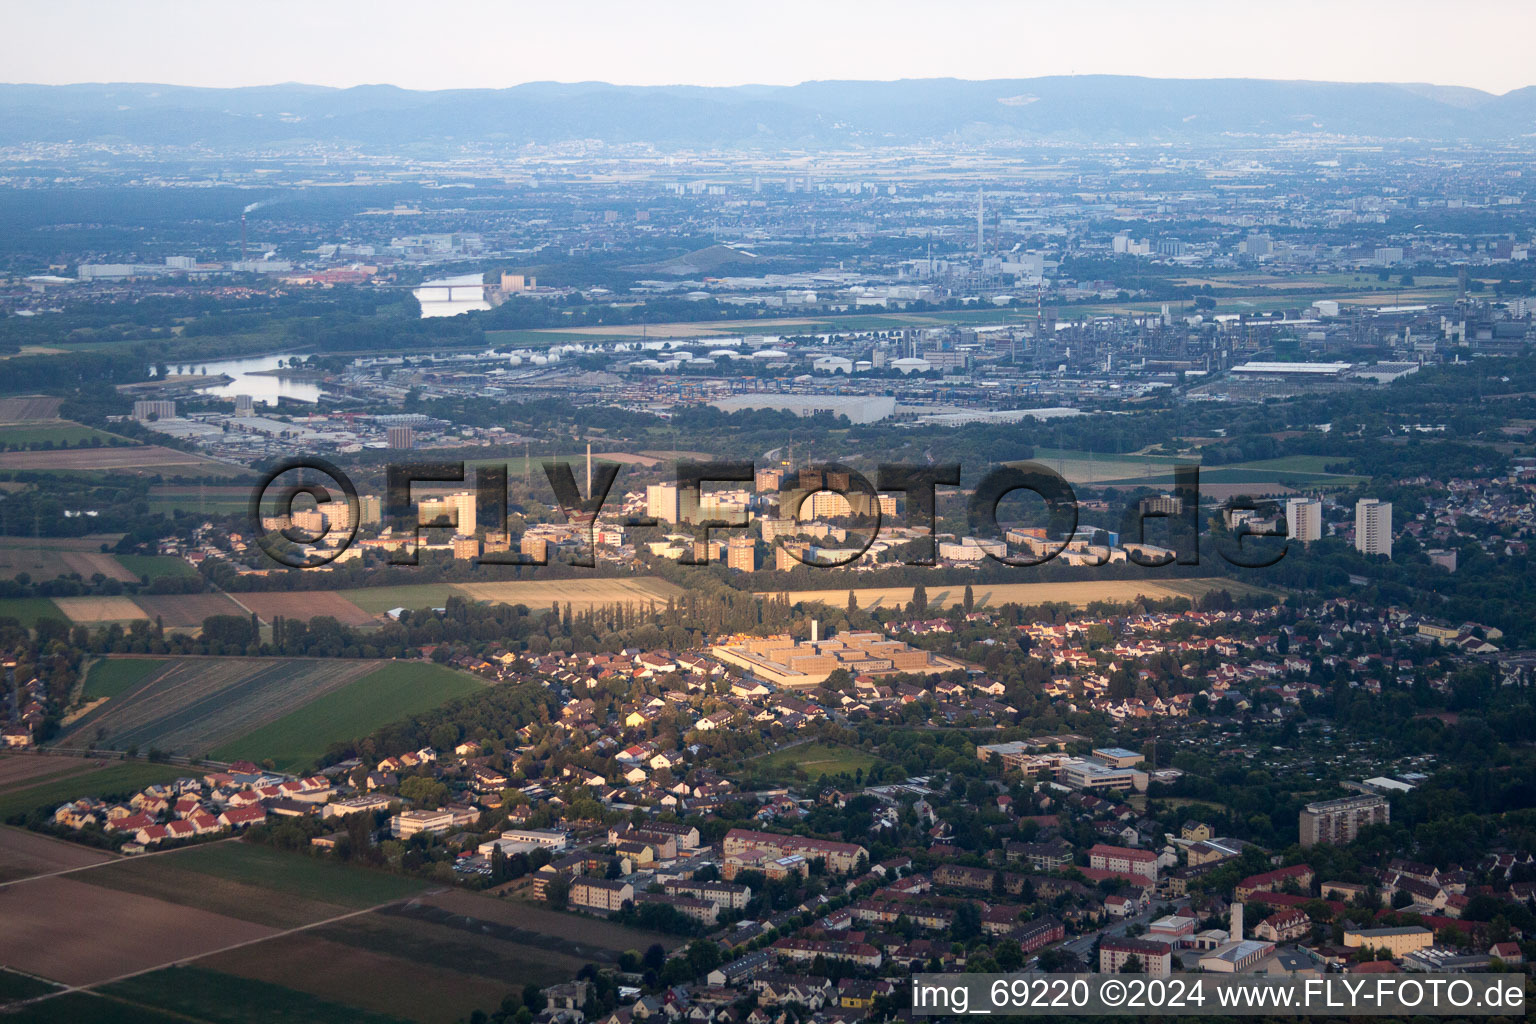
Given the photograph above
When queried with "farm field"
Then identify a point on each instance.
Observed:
(15, 986)
(374, 982)
(254, 883)
(1083, 467)
(191, 705)
(377, 600)
(28, 408)
(426, 935)
(66, 930)
(580, 594)
(533, 593)
(88, 1006)
(28, 610)
(111, 677)
(305, 604)
(103, 780)
(46, 559)
(29, 770)
(24, 854)
(186, 610)
(145, 457)
(217, 998)
(594, 938)
(815, 760)
(59, 432)
(93, 611)
(352, 710)
(1079, 593)
(156, 566)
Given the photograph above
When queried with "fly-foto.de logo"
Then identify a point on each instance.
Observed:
(291, 538)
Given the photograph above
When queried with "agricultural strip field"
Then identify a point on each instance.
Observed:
(146, 457)
(377, 600)
(58, 432)
(66, 930)
(24, 854)
(382, 696)
(44, 560)
(28, 408)
(991, 595)
(112, 677)
(21, 770)
(438, 957)
(374, 982)
(533, 593)
(102, 779)
(256, 884)
(156, 566)
(28, 610)
(305, 604)
(191, 705)
(580, 594)
(92, 611)
(187, 610)
(213, 997)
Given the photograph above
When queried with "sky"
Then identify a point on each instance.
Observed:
(1483, 44)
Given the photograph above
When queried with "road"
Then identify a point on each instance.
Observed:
(211, 952)
(1082, 946)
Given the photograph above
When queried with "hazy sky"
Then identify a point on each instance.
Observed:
(470, 43)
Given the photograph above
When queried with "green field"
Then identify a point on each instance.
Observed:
(356, 709)
(15, 986)
(415, 595)
(815, 760)
(28, 610)
(294, 874)
(156, 566)
(111, 677)
(120, 777)
(219, 998)
(87, 1006)
(60, 433)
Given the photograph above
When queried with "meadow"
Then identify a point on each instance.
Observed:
(814, 760)
(191, 705)
(112, 677)
(384, 695)
(119, 778)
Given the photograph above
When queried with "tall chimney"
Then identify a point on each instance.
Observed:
(815, 631)
(589, 469)
(242, 237)
(1237, 923)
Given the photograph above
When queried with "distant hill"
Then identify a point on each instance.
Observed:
(1093, 108)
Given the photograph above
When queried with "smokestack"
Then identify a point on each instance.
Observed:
(1237, 923)
(815, 631)
(242, 238)
(589, 469)
(980, 228)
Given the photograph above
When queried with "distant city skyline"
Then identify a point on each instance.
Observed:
(689, 42)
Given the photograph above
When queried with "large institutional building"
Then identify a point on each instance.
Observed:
(803, 665)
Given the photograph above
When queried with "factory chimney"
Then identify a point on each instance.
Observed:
(243, 256)
(815, 631)
(1237, 923)
(980, 225)
(589, 469)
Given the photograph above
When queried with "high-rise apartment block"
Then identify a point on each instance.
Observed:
(1373, 527)
(1304, 519)
(1340, 821)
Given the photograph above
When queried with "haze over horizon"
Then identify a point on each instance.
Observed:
(347, 43)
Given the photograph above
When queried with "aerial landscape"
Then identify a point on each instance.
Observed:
(588, 517)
